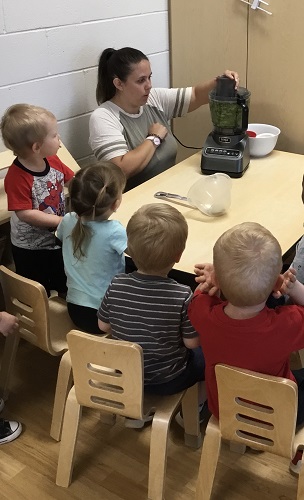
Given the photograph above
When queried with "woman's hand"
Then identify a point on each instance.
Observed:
(158, 129)
(234, 76)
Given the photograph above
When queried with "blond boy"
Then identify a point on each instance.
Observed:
(34, 186)
(241, 331)
(149, 308)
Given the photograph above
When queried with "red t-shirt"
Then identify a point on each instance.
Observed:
(28, 190)
(262, 343)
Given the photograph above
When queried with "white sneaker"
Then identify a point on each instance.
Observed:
(133, 423)
(9, 430)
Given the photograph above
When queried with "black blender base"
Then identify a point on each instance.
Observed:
(234, 174)
(226, 154)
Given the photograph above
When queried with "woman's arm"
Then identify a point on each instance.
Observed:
(137, 159)
(200, 92)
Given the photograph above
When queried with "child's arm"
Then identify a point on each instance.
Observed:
(191, 343)
(189, 335)
(292, 287)
(104, 327)
(38, 218)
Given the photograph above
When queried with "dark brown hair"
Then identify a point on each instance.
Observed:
(115, 64)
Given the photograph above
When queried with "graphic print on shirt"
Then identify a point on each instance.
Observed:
(53, 203)
(48, 196)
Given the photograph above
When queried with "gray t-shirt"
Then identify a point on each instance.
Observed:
(113, 132)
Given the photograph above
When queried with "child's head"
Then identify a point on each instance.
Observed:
(24, 125)
(247, 262)
(95, 192)
(157, 235)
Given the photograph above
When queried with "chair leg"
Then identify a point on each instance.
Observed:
(64, 384)
(192, 436)
(301, 356)
(237, 447)
(8, 362)
(70, 427)
(209, 459)
(158, 454)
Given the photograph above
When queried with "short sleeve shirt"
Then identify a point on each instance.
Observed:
(44, 191)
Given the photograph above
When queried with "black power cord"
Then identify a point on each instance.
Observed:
(184, 146)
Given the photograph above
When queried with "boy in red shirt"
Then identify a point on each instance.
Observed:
(241, 331)
(34, 186)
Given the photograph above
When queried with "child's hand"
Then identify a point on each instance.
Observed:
(205, 278)
(8, 323)
(288, 280)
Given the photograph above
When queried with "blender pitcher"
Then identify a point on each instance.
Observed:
(229, 108)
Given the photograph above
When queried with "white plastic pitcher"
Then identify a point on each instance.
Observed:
(211, 194)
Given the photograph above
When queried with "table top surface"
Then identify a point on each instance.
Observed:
(268, 193)
(6, 159)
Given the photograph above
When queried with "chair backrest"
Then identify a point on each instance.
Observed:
(257, 410)
(108, 374)
(27, 300)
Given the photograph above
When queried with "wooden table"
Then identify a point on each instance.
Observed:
(268, 193)
(6, 159)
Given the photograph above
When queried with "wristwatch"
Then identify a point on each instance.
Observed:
(155, 139)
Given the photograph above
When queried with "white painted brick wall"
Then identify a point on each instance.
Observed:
(49, 54)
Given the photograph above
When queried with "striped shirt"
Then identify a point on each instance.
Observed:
(113, 132)
(152, 312)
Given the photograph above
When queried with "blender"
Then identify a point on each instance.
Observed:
(227, 147)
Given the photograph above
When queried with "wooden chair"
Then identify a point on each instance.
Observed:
(108, 376)
(43, 322)
(256, 410)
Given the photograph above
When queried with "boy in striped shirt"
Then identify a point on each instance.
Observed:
(149, 308)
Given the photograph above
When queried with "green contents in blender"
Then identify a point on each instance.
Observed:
(225, 114)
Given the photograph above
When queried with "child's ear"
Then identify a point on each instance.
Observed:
(36, 147)
(278, 283)
(178, 258)
(116, 204)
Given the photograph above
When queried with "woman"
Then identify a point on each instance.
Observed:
(131, 126)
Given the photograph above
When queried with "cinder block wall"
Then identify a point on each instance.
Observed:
(49, 53)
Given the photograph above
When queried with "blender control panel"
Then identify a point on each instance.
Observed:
(222, 152)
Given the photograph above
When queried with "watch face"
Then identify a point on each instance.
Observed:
(156, 141)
